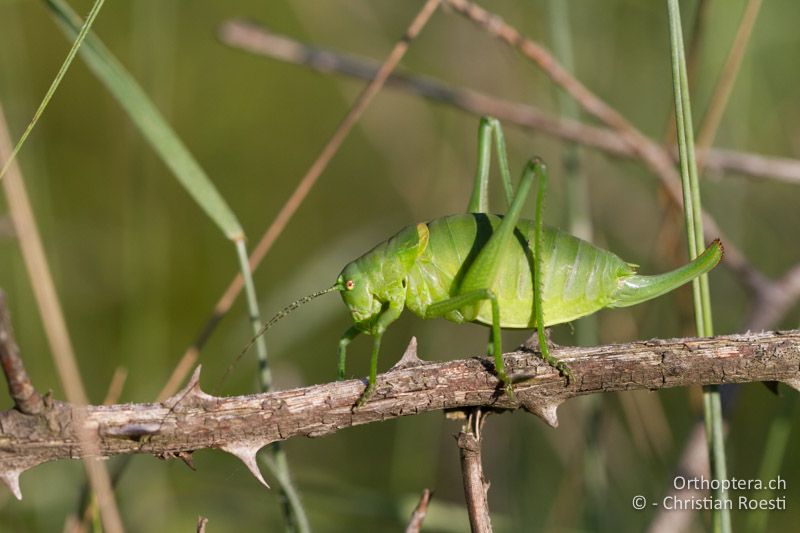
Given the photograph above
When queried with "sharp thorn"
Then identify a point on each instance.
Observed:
(194, 381)
(10, 479)
(410, 357)
(192, 389)
(544, 409)
(186, 457)
(247, 454)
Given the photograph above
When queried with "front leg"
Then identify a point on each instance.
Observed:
(390, 314)
(346, 339)
(373, 371)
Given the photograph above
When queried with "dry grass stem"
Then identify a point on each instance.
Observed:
(55, 326)
(724, 86)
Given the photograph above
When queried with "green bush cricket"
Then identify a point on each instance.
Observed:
(479, 267)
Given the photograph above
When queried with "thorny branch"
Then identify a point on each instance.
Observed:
(241, 425)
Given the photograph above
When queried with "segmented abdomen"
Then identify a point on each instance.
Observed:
(578, 278)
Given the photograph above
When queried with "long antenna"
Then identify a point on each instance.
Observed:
(272, 321)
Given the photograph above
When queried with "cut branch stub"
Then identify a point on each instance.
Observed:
(20, 386)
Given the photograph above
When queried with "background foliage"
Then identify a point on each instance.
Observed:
(138, 266)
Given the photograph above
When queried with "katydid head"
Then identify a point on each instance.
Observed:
(359, 295)
(379, 278)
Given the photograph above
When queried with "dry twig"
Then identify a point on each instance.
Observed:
(259, 40)
(651, 153)
(420, 511)
(476, 488)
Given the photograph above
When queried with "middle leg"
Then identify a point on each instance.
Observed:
(467, 300)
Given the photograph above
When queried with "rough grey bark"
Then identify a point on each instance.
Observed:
(193, 420)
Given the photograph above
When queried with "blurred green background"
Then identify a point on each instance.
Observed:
(138, 266)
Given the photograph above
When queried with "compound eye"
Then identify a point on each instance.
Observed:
(349, 285)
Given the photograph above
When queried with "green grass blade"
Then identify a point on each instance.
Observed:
(150, 121)
(265, 374)
(294, 514)
(689, 175)
(79, 34)
(694, 226)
